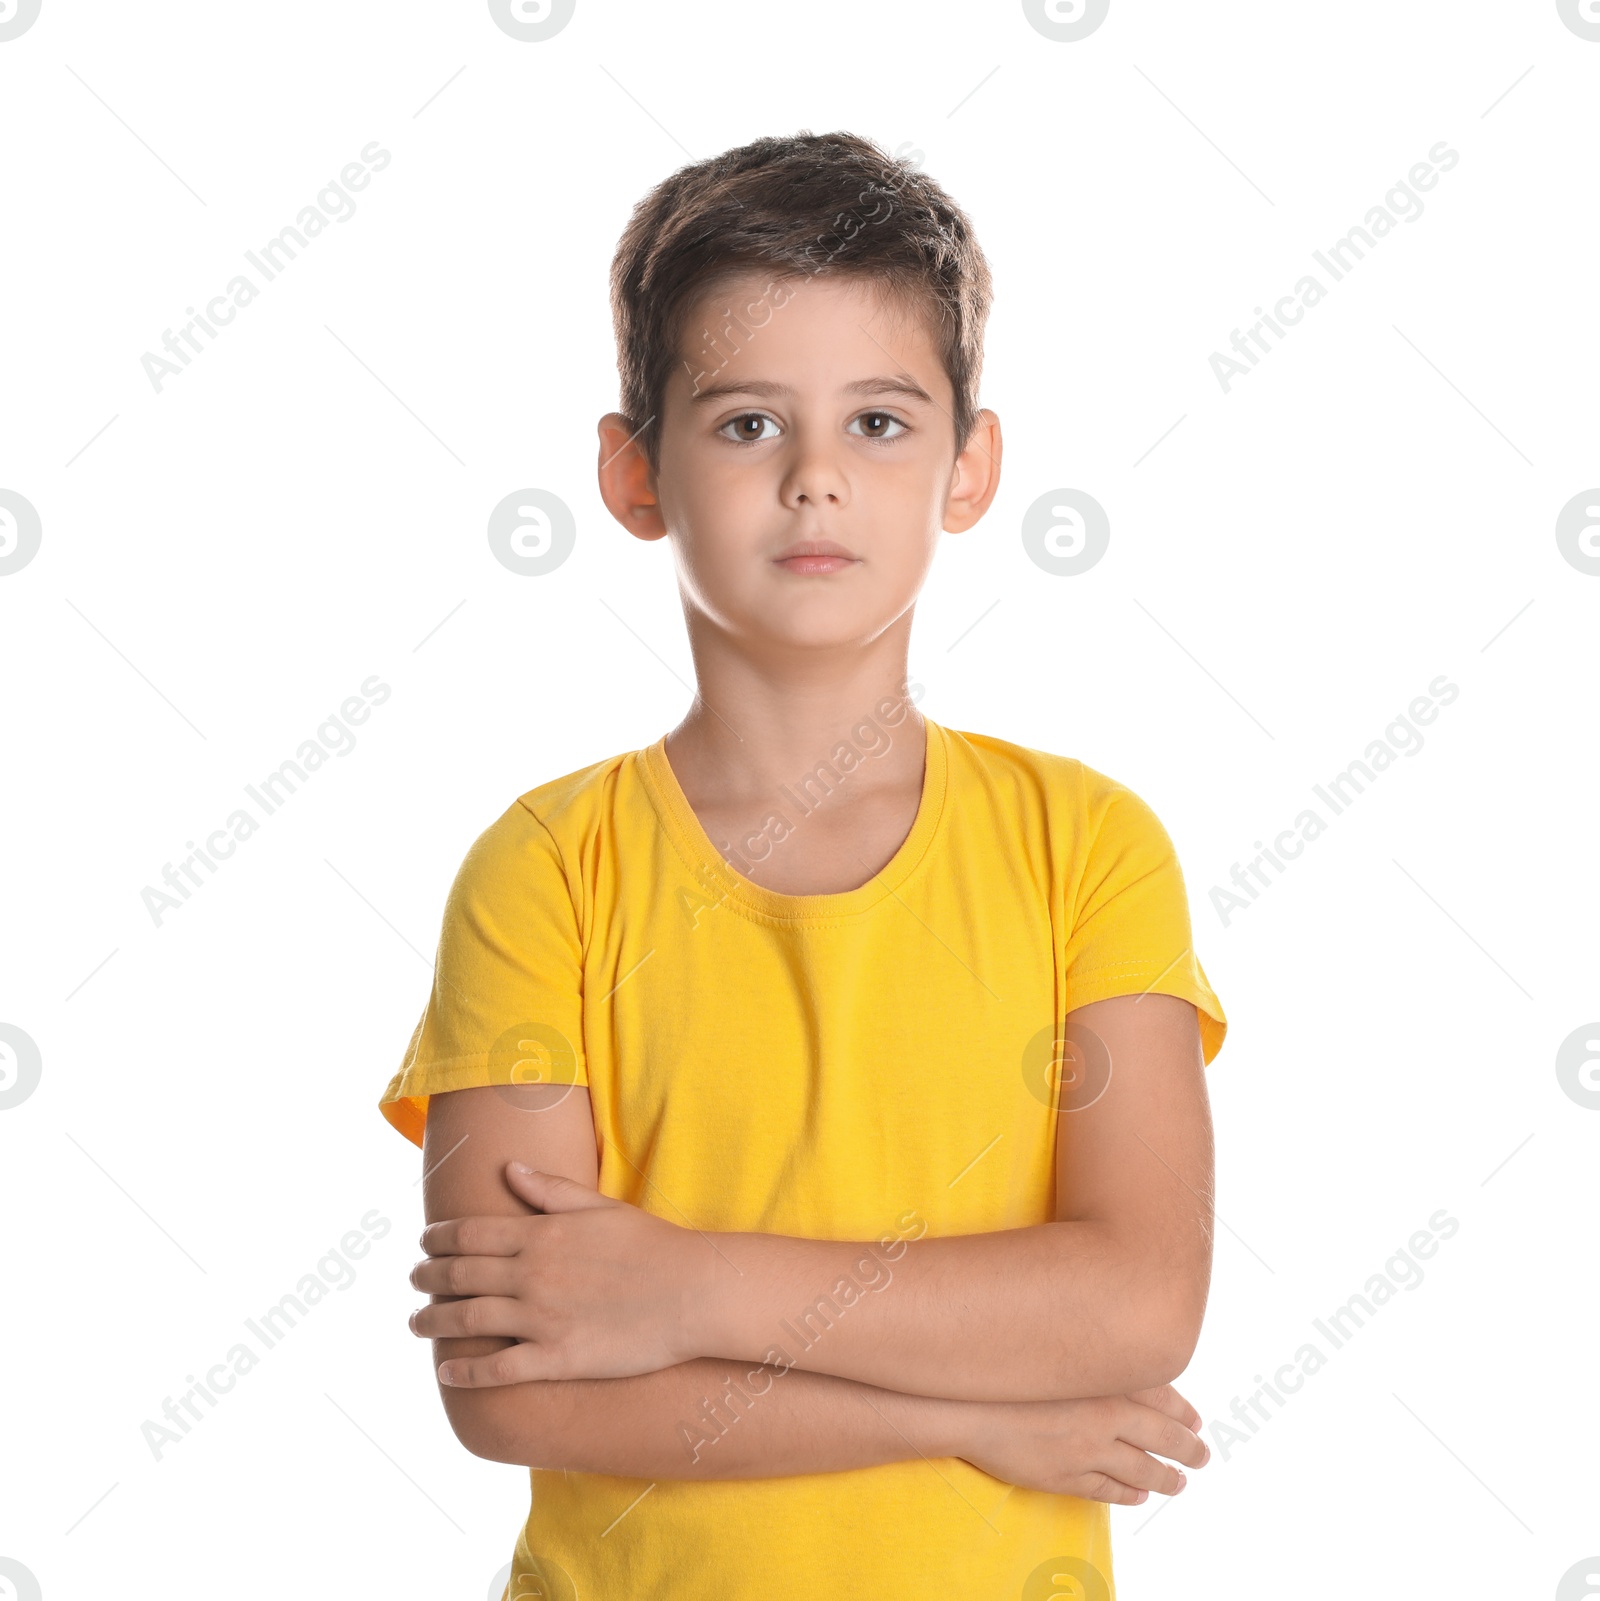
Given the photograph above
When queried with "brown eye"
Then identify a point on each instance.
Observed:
(747, 428)
(881, 419)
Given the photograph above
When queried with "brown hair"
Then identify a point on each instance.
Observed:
(800, 204)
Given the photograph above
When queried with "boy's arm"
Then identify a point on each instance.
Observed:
(675, 1423)
(710, 1419)
(1105, 1300)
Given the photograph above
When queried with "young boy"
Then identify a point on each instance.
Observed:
(858, 1061)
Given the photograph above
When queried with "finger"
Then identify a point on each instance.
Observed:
(1129, 1465)
(517, 1364)
(467, 1275)
(1154, 1431)
(475, 1236)
(478, 1314)
(1103, 1487)
(555, 1192)
(1166, 1399)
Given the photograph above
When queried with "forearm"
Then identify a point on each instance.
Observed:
(717, 1419)
(1054, 1311)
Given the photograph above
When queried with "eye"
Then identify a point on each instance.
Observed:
(882, 417)
(743, 437)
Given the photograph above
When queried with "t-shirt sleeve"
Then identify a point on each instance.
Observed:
(1131, 931)
(506, 1005)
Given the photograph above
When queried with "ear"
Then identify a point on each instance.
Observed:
(976, 476)
(627, 483)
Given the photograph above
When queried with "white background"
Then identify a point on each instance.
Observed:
(223, 562)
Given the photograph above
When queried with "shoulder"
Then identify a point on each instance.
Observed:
(1003, 761)
(1065, 778)
(549, 822)
(1097, 806)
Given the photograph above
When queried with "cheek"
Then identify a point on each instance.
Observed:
(908, 507)
(718, 544)
(719, 495)
(727, 523)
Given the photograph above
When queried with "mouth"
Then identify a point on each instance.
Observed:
(815, 556)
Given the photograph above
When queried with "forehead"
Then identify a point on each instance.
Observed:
(829, 329)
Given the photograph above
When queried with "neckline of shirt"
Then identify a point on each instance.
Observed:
(703, 858)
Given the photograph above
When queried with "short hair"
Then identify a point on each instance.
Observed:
(800, 205)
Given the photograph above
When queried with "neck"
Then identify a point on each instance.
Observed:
(755, 727)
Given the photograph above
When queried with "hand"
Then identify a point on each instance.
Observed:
(593, 1287)
(1097, 1448)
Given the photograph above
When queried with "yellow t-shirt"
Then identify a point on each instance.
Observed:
(871, 1065)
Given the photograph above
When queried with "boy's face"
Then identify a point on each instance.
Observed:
(831, 420)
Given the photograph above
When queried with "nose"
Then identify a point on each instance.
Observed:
(815, 475)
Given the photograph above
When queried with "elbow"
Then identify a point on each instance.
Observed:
(512, 1423)
(503, 1424)
(1164, 1363)
(1167, 1336)
(472, 1423)
(1153, 1341)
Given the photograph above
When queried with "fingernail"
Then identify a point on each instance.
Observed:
(1182, 1480)
(445, 1375)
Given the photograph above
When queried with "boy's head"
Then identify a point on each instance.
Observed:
(799, 328)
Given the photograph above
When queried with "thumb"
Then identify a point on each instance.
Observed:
(552, 1192)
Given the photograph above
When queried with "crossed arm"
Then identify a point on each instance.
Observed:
(1106, 1299)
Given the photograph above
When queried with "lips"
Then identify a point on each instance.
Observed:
(813, 556)
(814, 547)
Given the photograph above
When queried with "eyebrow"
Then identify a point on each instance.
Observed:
(765, 389)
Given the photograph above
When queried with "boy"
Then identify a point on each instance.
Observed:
(859, 1062)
